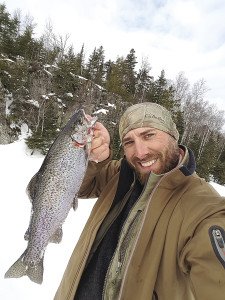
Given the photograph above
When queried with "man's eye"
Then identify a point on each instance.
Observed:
(127, 143)
(149, 135)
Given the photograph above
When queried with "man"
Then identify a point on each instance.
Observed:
(157, 229)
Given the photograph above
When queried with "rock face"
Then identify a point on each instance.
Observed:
(5, 138)
(6, 134)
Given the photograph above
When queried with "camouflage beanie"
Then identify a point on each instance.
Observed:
(147, 114)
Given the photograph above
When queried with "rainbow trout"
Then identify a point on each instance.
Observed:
(53, 191)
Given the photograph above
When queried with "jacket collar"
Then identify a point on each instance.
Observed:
(188, 164)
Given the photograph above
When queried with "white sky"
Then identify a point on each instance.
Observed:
(17, 168)
(175, 35)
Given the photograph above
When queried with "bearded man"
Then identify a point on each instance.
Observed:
(157, 229)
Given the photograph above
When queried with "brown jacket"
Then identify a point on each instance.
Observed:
(179, 251)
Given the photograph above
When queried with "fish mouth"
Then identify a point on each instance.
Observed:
(84, 130)
(77, 144)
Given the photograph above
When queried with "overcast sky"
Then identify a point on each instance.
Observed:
(175, 35)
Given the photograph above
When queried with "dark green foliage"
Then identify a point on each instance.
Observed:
(121, 76)
(207, 160)
(161, 92)
(8, 31)
(95, 66)
(115, 82)
(130, 76)
(27, 46)
(218, 172)
(64, 78)
(116, 145)
(46, 132)
(143, 83)
(42, 82)
(179, 120)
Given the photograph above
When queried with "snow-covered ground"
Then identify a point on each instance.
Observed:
(17, 166)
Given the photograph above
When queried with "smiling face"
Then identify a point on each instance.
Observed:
(150, 150)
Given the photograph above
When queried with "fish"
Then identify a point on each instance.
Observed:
(53, 191)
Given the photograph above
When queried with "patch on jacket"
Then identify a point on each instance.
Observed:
(217, 237)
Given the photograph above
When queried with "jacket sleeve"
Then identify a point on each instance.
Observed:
(97, 176)
(203, 258)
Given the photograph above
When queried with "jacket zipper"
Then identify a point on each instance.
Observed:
(120, 258)
(107, 226)
(110, 263)
(119, 264)
(86, 250)
(125, 242)
(139, 232)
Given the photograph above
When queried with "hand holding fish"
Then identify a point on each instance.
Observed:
(100, 143)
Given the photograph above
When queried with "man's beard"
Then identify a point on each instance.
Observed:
(168, 161)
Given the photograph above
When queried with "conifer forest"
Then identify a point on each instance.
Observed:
(43, 81)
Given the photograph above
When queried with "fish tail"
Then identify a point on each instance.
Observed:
(19, 269)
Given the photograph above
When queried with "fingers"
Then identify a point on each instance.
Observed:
(100, 130)
(100, 143)
(100, 153)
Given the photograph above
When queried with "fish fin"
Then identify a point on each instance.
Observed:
(32, 186)
(35, 273)
(57, 236)
(19, 269)
(75, 202)
(27, 234)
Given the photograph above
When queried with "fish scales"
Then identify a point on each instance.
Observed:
(53, 191)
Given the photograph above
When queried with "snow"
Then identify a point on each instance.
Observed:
(17, 168)
(69, 95)
(102, 110)
(9, 101)
(33, 102)
(45, 97)
(111, 105)
(7, 59)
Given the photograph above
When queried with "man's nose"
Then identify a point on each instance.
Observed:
(141, 150)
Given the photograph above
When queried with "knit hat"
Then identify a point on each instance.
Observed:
(147, 114)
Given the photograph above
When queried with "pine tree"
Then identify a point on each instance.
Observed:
(162, 92)
(46, 132)
(130, 78)
(79, 58)
(95, 66)
(143, 82)
(115, 78)
(65, 78)
(8, 32)
(121, 76)
(207, 161)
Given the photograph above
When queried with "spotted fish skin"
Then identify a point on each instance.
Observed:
(52, 191)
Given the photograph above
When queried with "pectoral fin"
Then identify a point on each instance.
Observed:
(57, 236)
(33, 186)
(75, 202)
